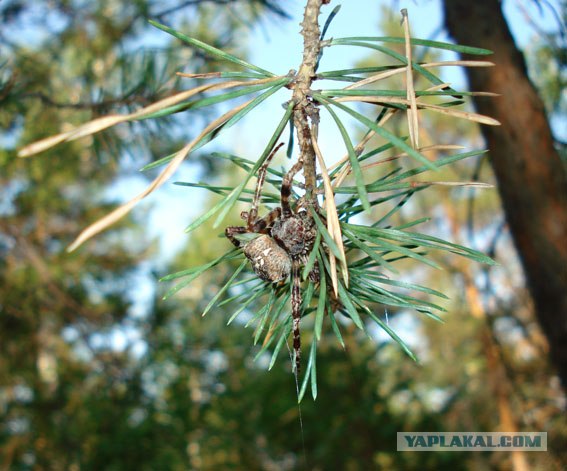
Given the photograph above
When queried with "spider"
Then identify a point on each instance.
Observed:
(286, 237)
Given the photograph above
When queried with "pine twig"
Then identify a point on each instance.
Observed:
(305, 111)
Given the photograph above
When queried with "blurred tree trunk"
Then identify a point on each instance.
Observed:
(531, 178)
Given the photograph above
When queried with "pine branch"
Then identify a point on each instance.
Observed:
(305, 110)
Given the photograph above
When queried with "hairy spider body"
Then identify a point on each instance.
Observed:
(283, 246)
(295, 234)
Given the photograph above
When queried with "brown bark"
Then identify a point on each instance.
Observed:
(498, 380)
(304, 110)
(531, 179)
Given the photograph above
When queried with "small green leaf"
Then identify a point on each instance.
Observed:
(321, 305)
(242, 295)
(439, 163)
(224, 190)
(365, 291)
(379, 150)
(367, 249)
(289, 150)
(335, 326)
(241, 75)
(307, 297)
(158, 162)
(277, 85)
(309, 371)
(224, 288)
(208, 101)
(366, 233)
(246, 303)
(349, 306)
(325, 233)
(329, 20)
(394, 93)
(256, 101)
(413, 223)
(400, 57)
(393, 182)
(393, 334)
(400, 143)
(324, 31)
(235, 194)
(358, 70)
(395, 209)
(285, 333)
(283, 302)
(213, 51)
(195, 272)
(419, 42)
(313, 358)
(424, 240)
(267, 310)
(379, 278)
(353, 158)
(205, 217)
(312, 257)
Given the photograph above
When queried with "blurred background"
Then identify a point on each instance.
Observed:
(98, 372)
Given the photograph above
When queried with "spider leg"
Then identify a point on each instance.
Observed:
(253, 214)
(287, 183)
(296, 313)
(314, 274)
(261, 224)
(231, 231)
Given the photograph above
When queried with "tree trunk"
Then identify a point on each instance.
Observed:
(531, 179)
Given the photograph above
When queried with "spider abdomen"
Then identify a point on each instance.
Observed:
(269, 261)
